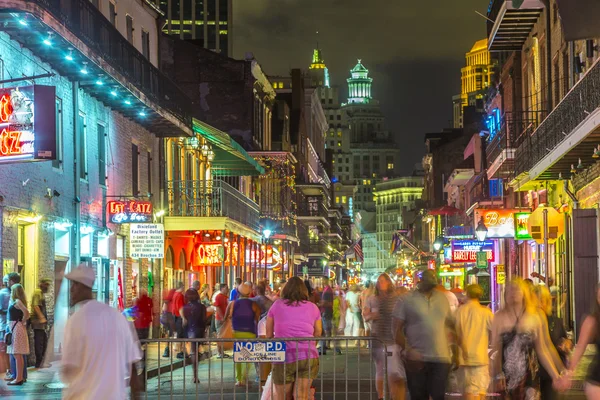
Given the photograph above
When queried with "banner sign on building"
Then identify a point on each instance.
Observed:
(27, 123)
(521, 226)
(500, 223)
(314, 267)
(257, 352)
(466, 250)
(147, 241)
(124, 212)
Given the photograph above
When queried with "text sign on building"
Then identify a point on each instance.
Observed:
(466, 250)
(257, 352)
(131, 211)
(147, 241)
(314, 267)
(499, 222)
(27, 123)
(521, 225)
(482, 261)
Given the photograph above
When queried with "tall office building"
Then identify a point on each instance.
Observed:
(476, 77)
(208, 23)
(374, 154)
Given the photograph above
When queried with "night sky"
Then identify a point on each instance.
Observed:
(413, 49)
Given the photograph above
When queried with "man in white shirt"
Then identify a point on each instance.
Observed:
(100, 349)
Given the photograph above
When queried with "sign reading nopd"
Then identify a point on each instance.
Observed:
(257, 352)
(147, 241)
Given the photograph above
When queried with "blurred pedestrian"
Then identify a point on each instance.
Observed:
(194, 324)
(143, 318)
(473, 328)
(326, 307)
(379, 310)
(590, 334)
(18, 314)
(424, 328)
(244, 314)
(4, 303)
(262, 300)
(365, 295)
(234, 293)
(39, 322)
(195, 286)
(339, 312)
(517, 337)
(313, 296)
(100, 348)
(290, 317)
(176, 307)
(353, 312)
(557, 337)
(167, 320)
(13, 279)
(220, 304)
(205, 295)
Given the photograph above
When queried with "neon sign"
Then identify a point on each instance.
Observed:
(122, 212)
(500, 223)
(27, 123)
(466, 250)
(521, 228)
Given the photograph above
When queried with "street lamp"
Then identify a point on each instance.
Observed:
(267, 233)
(481, 231)
(437, 245)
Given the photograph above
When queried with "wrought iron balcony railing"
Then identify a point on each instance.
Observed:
(314, 246)
(313, 209)
(213, 198)
(514, 129)
(86, 22)
(558, 126)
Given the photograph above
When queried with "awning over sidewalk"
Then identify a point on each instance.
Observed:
(230, 158)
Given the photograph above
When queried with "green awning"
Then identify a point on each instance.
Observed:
(230, 158)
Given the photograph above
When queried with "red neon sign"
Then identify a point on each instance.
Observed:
(10, 143)
(120, 212)
(6, 108)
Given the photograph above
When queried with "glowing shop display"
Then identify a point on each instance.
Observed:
(521, 226)
(27, 123)
(451, 272)
(500, 223)
(466, 250)
(122, 212)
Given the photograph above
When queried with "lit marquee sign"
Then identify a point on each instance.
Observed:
(466, 250)
(123, 212)
(27, 123)
(499, 222)
(521, 226)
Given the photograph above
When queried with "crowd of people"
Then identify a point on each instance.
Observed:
(18, 316)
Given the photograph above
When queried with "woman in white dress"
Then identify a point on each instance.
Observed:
(17, 317)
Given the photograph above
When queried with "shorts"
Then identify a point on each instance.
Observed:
(475, 379)
(295, 370)
(368, 325)
(395, 365)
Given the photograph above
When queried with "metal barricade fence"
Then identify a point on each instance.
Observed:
(348, 371)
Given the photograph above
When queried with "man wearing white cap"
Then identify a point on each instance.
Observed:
(100, 350)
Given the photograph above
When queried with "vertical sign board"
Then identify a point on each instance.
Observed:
(482, 259)
(27, 123)
(500, 275)
(147, 241)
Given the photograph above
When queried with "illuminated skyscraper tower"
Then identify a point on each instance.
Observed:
(359, 85)
(319, 74)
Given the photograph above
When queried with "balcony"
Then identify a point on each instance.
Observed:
(500, 150)
(313, 211)
(98, 52)
(213, 198)
(509, 23)
(569, 133)
(314, 247)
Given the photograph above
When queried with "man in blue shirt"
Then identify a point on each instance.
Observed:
(234, 292)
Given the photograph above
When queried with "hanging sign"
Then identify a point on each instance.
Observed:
(314, 267)
(124, 212)
(27, 123)
(521, 226)
(482, 261)
(555, 228)
(147, 241)
(500, 275)
(499, 222)
(466, 250)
